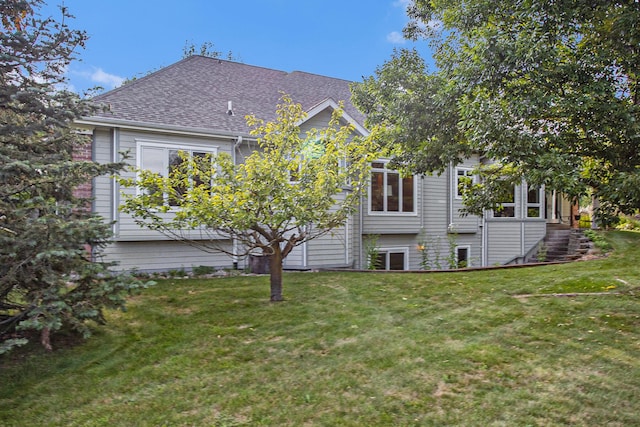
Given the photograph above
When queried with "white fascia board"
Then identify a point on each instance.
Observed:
(142, 126)
(330, 103)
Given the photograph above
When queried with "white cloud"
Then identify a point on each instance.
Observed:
(94, 76)
(395, 37)
(110, 81)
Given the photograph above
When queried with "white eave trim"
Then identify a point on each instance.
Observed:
(142, 126)
(330, 103)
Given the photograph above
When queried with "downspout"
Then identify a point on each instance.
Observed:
(93, 189)
(485, 240)
(420, 200)
(115, 143)
(234, 242)
(523, 215)
(522, 235)
(450, 192)
(347, 235)
(360, 231)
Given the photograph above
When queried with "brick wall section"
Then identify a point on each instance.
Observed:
(80, 154)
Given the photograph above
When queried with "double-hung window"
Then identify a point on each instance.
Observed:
(534, 202)
(163, 159)
(389, 191)
(463, 177)
(507, 208)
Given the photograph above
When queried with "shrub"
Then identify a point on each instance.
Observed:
(598, 240)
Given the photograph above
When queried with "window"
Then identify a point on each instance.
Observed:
(534, 202)
(463, 177)
(463, 256)
(311, 150)
(507, 207)
(392, 259)
(389, 192)
(165, 158)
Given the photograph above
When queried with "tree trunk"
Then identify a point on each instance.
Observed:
(275, 272)
(45, 338)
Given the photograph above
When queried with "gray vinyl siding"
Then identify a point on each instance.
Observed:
(161, 256)
(534, 232)
(135, 247)
(397, 242)
(139, 248)
(504, 243)
(474, 242)
(330, 250)
(103, 185)
(393, 222)
(337, 248)
(510, 239)
(461, 223)
(127, 229)
(319, 121)
(436, 208)
(334, 249)
(434, 201)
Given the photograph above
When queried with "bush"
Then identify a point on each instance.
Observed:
(628, 223)
(598, 240)
(201, 270)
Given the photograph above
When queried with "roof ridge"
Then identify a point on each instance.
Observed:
(220, 60)
(321, 75)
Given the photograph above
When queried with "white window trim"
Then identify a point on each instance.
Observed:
(167, 145)
(468, 248)
(213, 149)
(385, 212)
(456, 182)
(396, 249)
(540, 205)
(516, 201)
(342, 164)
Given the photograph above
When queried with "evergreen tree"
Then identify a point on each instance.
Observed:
(48, 236)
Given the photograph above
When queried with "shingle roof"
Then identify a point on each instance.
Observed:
(195, 92)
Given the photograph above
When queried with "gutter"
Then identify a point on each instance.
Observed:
(142, 126)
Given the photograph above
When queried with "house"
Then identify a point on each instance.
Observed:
(199, 105)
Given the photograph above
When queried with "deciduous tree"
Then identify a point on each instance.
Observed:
(550, 90)
(296, 187)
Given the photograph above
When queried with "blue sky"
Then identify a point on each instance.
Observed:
(346, 39)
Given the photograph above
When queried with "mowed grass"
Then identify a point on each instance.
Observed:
(354, 349)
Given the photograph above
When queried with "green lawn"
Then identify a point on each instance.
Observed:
(354, 349)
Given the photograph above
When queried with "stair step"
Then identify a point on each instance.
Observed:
(563, 243)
